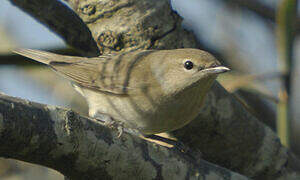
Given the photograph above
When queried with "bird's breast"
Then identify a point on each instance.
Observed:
(148, 113)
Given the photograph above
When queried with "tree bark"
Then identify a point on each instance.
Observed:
(82, 148)
(225, 132)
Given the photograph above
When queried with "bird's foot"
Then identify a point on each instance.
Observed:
(115, 125)
(108, 121)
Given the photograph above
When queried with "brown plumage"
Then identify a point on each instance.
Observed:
(150, 90)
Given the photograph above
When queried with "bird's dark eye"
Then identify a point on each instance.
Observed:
(188, 65)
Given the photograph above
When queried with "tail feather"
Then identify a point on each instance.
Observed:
(40, 56)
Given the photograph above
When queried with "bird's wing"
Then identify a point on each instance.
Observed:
(104, 73)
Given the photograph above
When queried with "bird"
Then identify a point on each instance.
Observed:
(151, 91)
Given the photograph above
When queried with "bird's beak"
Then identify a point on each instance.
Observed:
(216, 70)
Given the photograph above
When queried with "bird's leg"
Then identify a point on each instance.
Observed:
(163, 139)
(103, 118)
(157, 140)
(166, 140)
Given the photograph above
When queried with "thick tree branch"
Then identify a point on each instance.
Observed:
(133, 24)
(82, 148)
(228, 135)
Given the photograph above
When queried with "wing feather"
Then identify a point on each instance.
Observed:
(109, 73)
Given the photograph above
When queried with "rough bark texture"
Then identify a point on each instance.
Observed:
(82, 148)
(229, 136)
(224, 132)
(132, 24)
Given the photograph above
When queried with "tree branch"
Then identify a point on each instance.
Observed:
(131, 24)
(261, 10)
(81, 148)
(63, 21)
(228, 135)
(257, 7)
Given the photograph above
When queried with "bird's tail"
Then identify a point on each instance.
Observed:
(40, 56)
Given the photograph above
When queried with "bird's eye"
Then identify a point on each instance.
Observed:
(188, 65)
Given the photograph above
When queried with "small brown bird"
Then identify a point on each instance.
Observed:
(152, 91)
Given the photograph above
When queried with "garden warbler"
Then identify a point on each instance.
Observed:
(152, 91)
